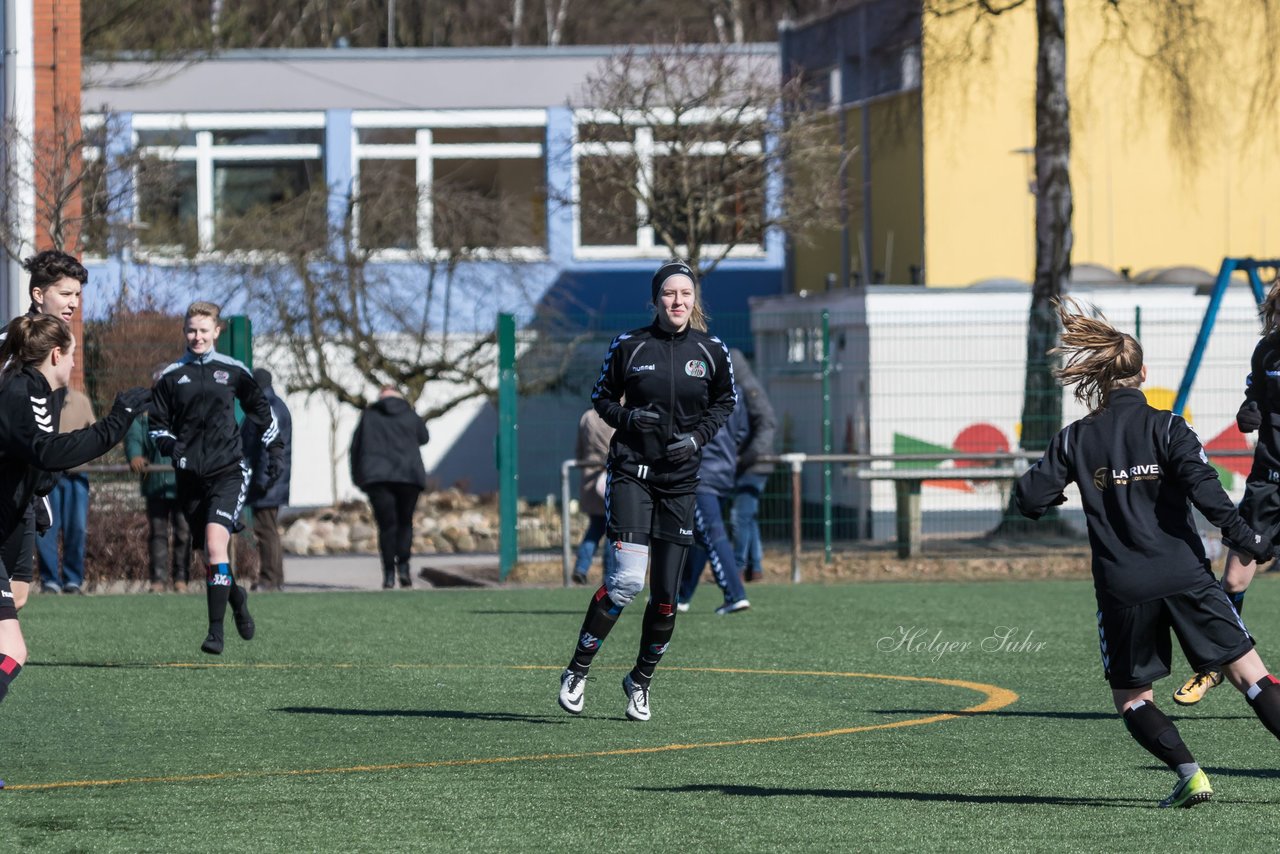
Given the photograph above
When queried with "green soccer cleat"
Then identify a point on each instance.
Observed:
(1189, 792)
(1194, 689)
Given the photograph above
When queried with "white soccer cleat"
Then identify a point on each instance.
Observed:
(682, 607)
(637, 698)
(733, 607)
(573, 686)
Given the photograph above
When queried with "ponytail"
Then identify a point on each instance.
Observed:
(30, 339)
(1099, 357)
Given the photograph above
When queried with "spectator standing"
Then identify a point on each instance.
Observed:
(266, 499)
(160, 492)
(386, 464)
(591, 451)
(69, 513)
(752, 474)
(711, 540)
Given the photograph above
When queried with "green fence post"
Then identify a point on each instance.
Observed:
(826, 434)
(508, 473)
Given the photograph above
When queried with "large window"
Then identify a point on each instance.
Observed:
(638, 185)
(229, 182)
(451, 181)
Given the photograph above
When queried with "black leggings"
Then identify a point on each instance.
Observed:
(393, 505)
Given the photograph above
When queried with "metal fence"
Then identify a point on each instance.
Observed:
(899, 390)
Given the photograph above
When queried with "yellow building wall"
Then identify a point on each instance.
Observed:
(1141, 200)
(897, 200)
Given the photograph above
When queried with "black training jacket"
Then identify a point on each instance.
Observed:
(1262, 386)
(193, 412)
(1136, 467)
(30, 444)
(686, 377)
(387, 445)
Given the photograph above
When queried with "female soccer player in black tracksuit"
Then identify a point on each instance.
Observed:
(193, 421)
(1260, 506)
(38, 354)
(666, 389)
(55, 284)
(1137, 468)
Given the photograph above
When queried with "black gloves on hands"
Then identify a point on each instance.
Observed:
(642, 421)
(1249, 418)
(132, 402)
(1259, 547)
(681, 449)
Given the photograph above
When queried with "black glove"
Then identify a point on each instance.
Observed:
(44, 514)
(1258, 547)
(132, 402)
(681, 449)
(275, 466)
(642, 421)
(1249, 418)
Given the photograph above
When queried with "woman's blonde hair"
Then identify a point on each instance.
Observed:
(1098, 357)
(30, 339)
(1269, 309)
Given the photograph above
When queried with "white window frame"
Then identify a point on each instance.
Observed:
(424, 151)
(206, 155)
(646, 150)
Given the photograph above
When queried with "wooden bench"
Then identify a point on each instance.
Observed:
(907, 483)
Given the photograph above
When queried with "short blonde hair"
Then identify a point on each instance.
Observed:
(201, 308)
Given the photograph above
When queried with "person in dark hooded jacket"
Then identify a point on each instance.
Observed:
(711, 539)
(386, 464)
(266, 498)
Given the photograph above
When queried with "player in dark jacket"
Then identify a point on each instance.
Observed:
(666, 389)
(38, 354)
(1137, 468)
(1260, 506)
(748, 549)
(265, 497)
(193, 421)
(55, 284)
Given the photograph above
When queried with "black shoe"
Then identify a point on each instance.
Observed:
(579, 578)
(388, 579)
(240, 610)
(213, 641)
(403, 570)
(73, 590)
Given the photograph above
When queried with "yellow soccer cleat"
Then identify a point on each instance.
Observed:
(1194, 689)
(1189, 792)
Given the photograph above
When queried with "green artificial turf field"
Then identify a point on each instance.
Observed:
(428, 721)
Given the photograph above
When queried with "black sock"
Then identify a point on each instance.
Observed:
(236, 597)
(1157, 734)
(1237, 599)
(9, 670)
(1264, 696)
(655, 637)
(602, 614)
(218, 588)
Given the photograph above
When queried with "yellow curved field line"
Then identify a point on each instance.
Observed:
(995, 698)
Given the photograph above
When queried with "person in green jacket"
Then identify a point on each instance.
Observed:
(159, 489)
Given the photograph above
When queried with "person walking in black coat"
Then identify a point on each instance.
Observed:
(386, 464)
(266, 498)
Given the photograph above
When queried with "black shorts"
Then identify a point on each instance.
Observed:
(633, 506)
(216, 499)
(1136, 649)
(17, 553)
(1260, 507)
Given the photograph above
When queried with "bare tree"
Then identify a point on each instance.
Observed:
(351, 322)
(1176, 58)
(688, 143)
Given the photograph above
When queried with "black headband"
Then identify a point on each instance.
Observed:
(666, 271)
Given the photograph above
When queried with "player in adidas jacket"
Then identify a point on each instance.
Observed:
(193, 421)
(666, 389)
(1138, 470)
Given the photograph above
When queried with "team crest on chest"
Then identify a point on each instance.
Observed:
(221, 377)
(695, 368)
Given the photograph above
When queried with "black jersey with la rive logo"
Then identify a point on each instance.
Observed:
(685, 377)
(1137, 468)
